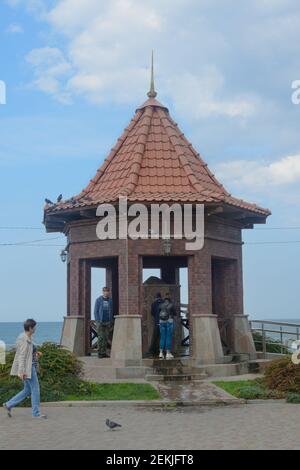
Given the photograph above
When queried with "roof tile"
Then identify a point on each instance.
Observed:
(153, 162)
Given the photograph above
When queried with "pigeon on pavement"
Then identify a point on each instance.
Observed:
(111, 425)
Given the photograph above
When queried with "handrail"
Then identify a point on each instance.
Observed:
(282, 343)
(269, 322)
(276, 331)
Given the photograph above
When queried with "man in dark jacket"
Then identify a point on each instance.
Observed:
(154, 346)
(105, 321)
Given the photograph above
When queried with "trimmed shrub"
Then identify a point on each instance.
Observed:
(61, 379)
(252, 392)
(282, 375)
(293, 398)
(60, 375)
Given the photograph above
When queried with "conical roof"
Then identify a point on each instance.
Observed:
(153, 162)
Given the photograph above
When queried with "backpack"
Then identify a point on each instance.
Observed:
(164, 313)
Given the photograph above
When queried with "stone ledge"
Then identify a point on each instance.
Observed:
(153, 403)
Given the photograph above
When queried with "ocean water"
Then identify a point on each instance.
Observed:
(46, 332)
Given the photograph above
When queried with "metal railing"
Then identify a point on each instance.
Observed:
(275, 336)
(184, 319)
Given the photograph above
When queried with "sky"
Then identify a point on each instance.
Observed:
(76, 70)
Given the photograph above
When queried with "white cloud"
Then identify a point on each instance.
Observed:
(201, 61)
(255, 175)
(200, 96)
(108, 47)
(15, 28)
(50, 68)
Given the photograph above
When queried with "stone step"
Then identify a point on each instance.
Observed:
(175, 378)
(172, 371)
(101, 373)
(258, 366)
(228, 359)
(185, 370)
(167, 363)
(240, 357)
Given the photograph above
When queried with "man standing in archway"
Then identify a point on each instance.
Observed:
(105, 321)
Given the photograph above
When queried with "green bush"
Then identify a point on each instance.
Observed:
(61, 379)
(293, 398)
(251, 392)
(60, 375)
(282, 375)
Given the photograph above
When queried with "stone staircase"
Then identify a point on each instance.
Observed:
(102, 370)
(173, 370)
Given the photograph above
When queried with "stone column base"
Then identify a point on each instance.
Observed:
(242, 338)
(73, 336)
(126, 347)
(207, 346)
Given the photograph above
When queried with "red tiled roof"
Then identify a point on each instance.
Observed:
(153, 162)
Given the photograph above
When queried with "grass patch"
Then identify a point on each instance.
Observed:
(122, 391)
(249, 390)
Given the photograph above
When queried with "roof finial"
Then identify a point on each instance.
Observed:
(152, 93)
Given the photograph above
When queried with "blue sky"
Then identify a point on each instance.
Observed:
(76, 70)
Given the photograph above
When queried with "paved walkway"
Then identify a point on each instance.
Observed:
(200, 392)
(253, 426)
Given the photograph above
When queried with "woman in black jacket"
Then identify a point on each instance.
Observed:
(167, 312)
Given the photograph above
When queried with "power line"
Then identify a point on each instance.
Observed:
(278, 228)
(30, 242)
(32, 246)
(22, 228)
(288, 242)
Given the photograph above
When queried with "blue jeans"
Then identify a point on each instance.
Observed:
(166, 334)
(31, 387)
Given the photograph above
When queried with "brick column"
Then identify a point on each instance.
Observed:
(74, 334)
(240, 336)
(127, 339)
(205, 335)
(75, 287)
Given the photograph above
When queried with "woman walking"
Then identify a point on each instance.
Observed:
(25, 367)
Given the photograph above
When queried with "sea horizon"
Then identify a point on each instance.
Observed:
(46, 332)
(50, 331)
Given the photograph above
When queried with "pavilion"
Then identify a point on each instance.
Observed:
(153, 163)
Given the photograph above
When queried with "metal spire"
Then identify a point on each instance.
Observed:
(152, 93)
